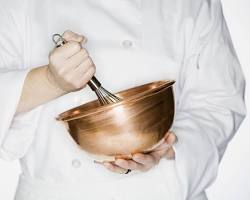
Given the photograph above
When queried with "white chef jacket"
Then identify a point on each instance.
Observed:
(131, 42)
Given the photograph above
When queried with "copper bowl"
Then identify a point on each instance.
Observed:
(132, 125)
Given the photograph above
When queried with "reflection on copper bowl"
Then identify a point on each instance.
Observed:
(132, 125)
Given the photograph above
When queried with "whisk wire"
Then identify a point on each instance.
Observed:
(106, 97)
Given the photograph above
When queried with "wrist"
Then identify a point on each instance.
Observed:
(52, 82)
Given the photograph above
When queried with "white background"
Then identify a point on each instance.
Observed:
(233, 182)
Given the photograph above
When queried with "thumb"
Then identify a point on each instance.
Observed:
(72, 36)
(171, 139)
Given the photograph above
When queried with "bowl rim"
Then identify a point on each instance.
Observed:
(165, 84)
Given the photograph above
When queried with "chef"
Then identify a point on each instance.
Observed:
(125, 43)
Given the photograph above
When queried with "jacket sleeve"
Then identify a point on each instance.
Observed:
(211, 104)
(16, 131)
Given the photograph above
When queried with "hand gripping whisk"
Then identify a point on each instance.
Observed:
(104, 96)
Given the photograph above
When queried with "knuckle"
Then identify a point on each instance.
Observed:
(171, 139)
(91, 71)
(94, 68)
(72, 36)
(84, 52)
(89, 61)
(67, 34)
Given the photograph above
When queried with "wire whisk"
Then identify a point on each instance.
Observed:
(104, 96)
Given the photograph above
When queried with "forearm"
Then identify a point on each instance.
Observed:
(37, 90)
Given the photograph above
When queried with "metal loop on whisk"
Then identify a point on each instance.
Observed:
(58, 40)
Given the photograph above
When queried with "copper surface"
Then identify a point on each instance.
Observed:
(132, 125)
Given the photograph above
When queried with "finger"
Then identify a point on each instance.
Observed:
(67, 50)
(114, 168)
(82, 76)
(87, 62)
(145, 159)
(163, 146)
(167, 144)
(162, 149)
(83, 68)
(160, 145)
(160, 153)
(71, 36)
(170, 154)
(77, 71)
(78, 58)
(171, 139)
(129, 164)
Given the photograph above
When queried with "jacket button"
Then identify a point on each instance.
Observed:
(76, 163)
(127, 43)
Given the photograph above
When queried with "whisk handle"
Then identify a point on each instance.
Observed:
(93, 83)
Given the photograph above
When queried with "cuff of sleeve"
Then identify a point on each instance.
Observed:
(20, 135)
(15, 131)
(196, 159)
